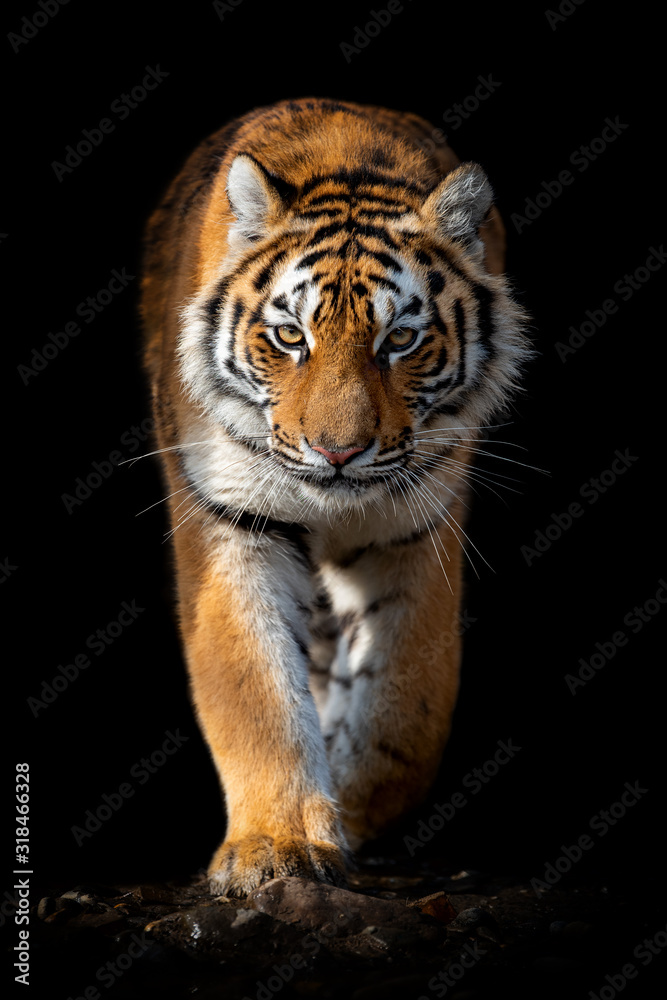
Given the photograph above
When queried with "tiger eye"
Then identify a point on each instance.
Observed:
(401, 336)
(290, 335)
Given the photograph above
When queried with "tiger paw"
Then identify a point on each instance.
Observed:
(240, 866)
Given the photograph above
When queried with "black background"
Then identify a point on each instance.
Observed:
(533, 623)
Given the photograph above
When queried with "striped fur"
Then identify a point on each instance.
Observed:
(317, 487)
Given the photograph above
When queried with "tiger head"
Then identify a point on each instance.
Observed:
(346, 315)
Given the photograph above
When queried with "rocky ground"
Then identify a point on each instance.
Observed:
(400, 931)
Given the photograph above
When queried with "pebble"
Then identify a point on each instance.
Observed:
(436, 905)
(46, 907)
(335, 913)
(472, 917)
(244, 916)
(65, 908)
(576, 931)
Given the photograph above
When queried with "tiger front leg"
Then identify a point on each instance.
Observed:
(245, 646)
(395, 680)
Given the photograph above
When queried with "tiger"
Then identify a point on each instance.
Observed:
(328, 331)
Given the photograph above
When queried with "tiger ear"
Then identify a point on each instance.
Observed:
(253, 198)
(460, 202)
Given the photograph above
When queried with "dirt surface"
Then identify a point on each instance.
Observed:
(399, 931)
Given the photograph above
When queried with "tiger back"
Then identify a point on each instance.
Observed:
(328, 332)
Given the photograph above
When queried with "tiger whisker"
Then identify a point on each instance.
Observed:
(161, 451)
(467, 470)
(447, 514)
(479, 427)
(202, 501)
(428, 528)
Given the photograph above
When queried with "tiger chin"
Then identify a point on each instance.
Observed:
(327, 333)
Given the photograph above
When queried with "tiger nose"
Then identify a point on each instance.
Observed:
(336, 457)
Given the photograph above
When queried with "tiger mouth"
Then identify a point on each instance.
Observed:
(342, 478)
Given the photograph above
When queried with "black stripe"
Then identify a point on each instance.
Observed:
(264, 276)
(378, 279)
(320, 199)
(460, 321)
(413, 307)
(302, 647)
(441, 361)
(484, 299)
(295, 534)
(384, 258)
(312, 258)
(331, 229)
(436, 282)
(394, 753)
(361, 178)
(379, 232)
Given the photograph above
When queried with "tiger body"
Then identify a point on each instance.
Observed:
(327, 329)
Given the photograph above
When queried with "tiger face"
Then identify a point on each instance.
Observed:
(345, 317)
